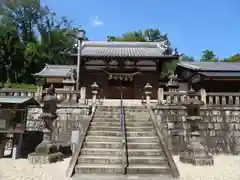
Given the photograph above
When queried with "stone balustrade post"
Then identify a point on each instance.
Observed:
(148, 91)
(82, 94)
(203, 95)
(160, 95)
(94, 88)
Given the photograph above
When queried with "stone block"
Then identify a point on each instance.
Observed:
(35, 158)
(197, 161)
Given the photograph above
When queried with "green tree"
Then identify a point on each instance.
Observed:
(30, 36)
(209, 56)
(234, 58)
(187, 58)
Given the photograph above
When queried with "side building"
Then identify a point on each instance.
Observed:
(111, 64)
(212, 76)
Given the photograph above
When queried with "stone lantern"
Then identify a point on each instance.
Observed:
(147, 91)
(172, 84)
(95, 89)
(47, 152)
(194, 151)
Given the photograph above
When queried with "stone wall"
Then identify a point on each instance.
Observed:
(69, 119)
(220, 128)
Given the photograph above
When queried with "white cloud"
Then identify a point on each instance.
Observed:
(97, 21)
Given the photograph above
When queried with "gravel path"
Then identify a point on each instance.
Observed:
(225, 168)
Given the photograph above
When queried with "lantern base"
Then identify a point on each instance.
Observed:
(195, 153)
(35, 158)
(197, 161)
(46, 152)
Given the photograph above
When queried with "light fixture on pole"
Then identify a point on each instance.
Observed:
(80, 35)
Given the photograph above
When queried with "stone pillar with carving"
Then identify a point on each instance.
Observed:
(47, 152)
(147, 91)
(95, 89)
(194, 152)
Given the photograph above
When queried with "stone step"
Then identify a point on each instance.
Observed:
(135, 109)
(148, 169)
(107, 117)
(117, 123)
(118, 128)
(142, 145)
(149, 139)
(103, 138)
(101, 151)
(100, 159)
(108, 109)
(103, 144)
(104, 133)
(161, 160)
(107, 112)
(139, 123)
(137, 120)
(141, 133)
(145, 152)
(108, 123)
(99, 168)
(138, 128)
(111, 128)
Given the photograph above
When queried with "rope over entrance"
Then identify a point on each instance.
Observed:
(121, 76)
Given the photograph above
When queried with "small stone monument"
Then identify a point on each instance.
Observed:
(194, 151)
(46, 152)
(148, 91)
(95, 89)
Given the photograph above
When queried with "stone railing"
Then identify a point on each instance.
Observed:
(220, 127)
(18, 92)
(65, 95)
(209, 98)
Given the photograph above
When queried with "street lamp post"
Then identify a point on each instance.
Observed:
(80, 35)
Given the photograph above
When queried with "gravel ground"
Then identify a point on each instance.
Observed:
(21, 169)
(225, 168)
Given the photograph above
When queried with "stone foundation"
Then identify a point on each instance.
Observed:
(35, 158)
(197, 161)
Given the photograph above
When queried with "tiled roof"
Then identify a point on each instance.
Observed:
(221, 74)
(122, 49)
(56, 70)
(211, 66)
(15, 99)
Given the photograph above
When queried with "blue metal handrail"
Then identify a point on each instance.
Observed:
(124, 140)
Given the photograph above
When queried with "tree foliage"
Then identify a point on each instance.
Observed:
(30, 36)
(208, 56)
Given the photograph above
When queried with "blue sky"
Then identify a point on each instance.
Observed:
(192, 25)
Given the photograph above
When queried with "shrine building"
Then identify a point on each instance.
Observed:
(212, 76)
(111, 64)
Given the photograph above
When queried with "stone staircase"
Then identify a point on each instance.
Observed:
(145, 153)
(102, 149)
